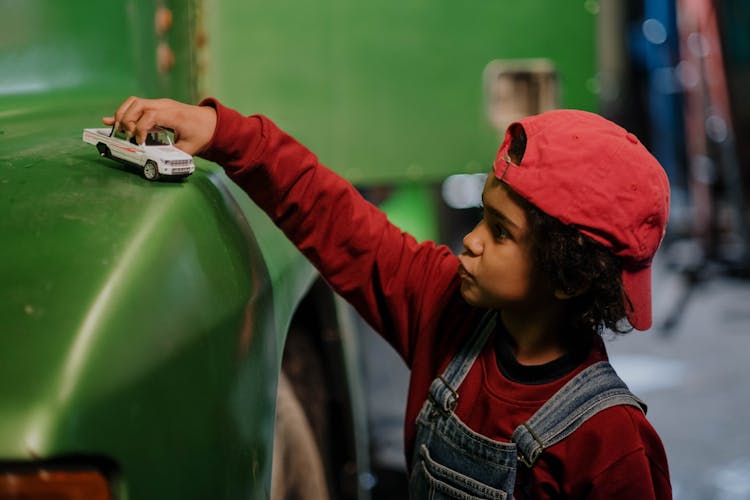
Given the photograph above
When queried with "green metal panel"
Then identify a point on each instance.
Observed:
(390, 89)
(131, 313)
(134, 313)
(103, 47)
(412, 208)
(47, 45)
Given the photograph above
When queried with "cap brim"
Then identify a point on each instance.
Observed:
(637, 285)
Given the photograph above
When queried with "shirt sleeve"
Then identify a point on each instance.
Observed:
(630, 462)
(396, 283)
(636, 475)
(614, 455)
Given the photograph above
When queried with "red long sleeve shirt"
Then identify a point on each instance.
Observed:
(409, 292)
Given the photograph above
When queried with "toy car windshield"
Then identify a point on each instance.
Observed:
(155, 137)
(158, 138)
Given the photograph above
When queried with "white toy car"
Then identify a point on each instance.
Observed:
(158, 157)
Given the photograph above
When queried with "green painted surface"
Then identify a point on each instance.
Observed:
(412, 208)
(47, 45)
(390, 89)
(134, 313)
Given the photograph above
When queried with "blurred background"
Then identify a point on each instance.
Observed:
(408, 99)
(676, 73)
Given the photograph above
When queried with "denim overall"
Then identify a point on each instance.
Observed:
(452, 461)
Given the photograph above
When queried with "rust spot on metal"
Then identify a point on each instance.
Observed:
(200, 39)
(164, 57)
(162, 20)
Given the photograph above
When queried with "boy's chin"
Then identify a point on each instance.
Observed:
(475, 298)
(470, 296)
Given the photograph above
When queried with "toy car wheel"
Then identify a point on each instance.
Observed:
(150, 171)
(103, 150)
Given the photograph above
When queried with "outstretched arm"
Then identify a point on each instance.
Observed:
(398, 285)
(394, 282)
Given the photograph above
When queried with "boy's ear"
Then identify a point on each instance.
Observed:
(569, 294)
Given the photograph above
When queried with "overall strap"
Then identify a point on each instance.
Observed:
(443, 390)
(594, 389)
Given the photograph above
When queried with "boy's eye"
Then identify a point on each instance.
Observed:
(499, 232)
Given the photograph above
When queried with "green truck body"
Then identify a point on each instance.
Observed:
(142, 324)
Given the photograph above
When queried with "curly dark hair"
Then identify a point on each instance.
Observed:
(575, 264)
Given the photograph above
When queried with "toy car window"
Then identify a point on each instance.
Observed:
(120, 134)
(157, 138)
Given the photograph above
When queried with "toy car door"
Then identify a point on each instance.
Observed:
(129, 150)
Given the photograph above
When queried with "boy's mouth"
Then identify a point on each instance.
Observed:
(464, 274)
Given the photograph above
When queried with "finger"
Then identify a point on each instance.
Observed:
(122, 109)
(167, 112)
(108, 120)
(131, 116)
(146, 122)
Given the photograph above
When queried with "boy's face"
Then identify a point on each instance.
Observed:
(496, 267)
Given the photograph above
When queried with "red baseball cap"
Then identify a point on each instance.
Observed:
(590, 173)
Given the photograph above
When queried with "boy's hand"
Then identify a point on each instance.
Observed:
(193, 125)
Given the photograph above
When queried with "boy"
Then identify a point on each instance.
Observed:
(510, 393)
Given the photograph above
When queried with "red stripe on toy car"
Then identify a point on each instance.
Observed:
(131, 150)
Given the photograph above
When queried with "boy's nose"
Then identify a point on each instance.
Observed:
(473, 243)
